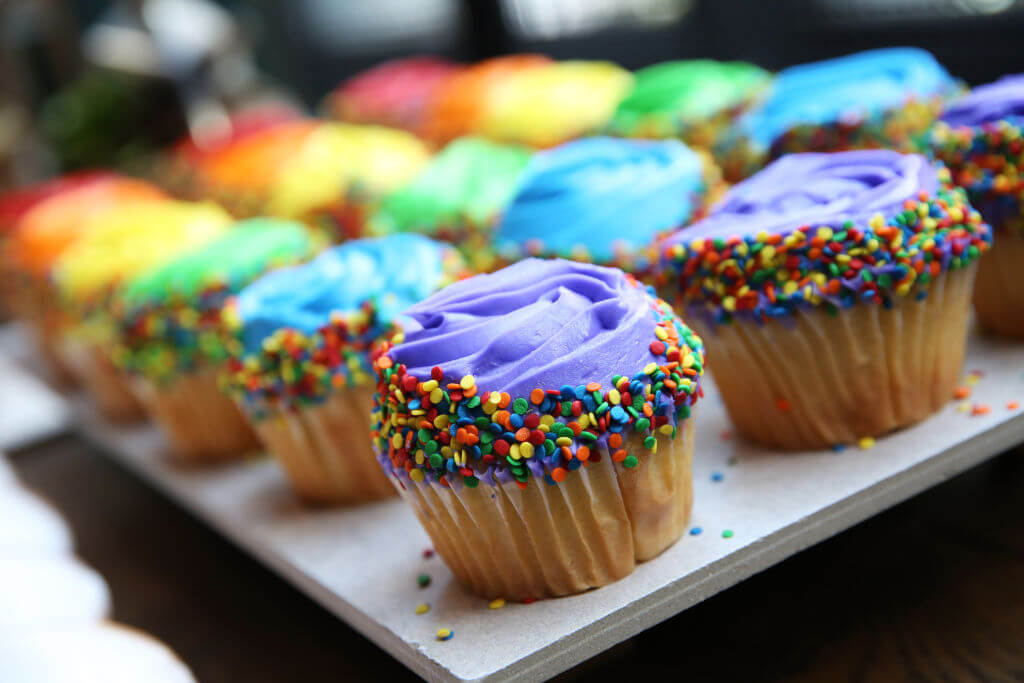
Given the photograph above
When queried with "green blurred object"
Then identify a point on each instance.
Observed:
(110, 119)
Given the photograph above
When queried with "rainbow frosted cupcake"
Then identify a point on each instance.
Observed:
(876, 99)
(457, 198)
(979, 138)
(502, 413)
(124, 241)
(40, 236)
(301, 372)
(604, 200)
(396, 93)
(833, 291)
(693, 100)
(172, 339)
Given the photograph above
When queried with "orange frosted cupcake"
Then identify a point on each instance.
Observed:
(40, 236)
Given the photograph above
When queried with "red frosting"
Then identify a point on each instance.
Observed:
(16, 202)
(395, 93)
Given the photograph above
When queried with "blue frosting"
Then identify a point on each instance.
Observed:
(597, 192)
(395, 272)
(855, 86)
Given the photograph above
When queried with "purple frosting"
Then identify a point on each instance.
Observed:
(816, 189)
(536, 324)
(986, 103)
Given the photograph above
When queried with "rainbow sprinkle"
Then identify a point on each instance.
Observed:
(294, 370)
(449, 430)
(988, 161)
(771, 275)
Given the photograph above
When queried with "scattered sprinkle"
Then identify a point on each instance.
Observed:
(866, 443)
(725, 435)
(428, 553)
(529, 601)
(696, 531)
(728, 533)
(964, 407)
(783, 405)
(445, 634)
(962, 393)
(717, 476)
(980, 409)
(839, 447)
(1012, 405)
(422, 608)
(423, 580)
(497, 604)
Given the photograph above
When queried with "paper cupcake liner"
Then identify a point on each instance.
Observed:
(998, 297)
(326, 449)
(545, 541)
(201, 422)
(104, 383)
(814, 380)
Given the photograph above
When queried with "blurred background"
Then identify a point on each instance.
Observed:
(86, 83)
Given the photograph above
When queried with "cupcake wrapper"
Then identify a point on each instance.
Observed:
(544, 541)
(104, 383)
(998, 297)
(815, 381)
(201, 422)
(326, 450)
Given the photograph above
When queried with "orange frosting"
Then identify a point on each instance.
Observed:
(462, 99)
(249, 165)
(55, 223)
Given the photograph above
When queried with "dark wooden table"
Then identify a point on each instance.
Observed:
(931, 590)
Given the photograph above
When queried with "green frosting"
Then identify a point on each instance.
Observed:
(687, 92)
(464, 187)
(232, 261)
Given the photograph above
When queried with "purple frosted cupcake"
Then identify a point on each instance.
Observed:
(500, 412)
(833, 290)
(980, 139)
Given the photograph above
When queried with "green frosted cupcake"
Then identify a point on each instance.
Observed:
(693, 100)
(458, 197)
(172, 340)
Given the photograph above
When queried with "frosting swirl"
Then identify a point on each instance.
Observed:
(602, 196)
(856, 86)
(534, 324)
(825, 229)
(987, 103)
(823, 189)
(393, 272)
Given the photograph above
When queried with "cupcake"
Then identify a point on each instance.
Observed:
(38, 238)
(17, 202)
(397, 93)
(457, 198)
(172, 340)
(604, 200)
(121, 242)
(879, 98)
(979, 139)
(553, 103)
(544, 392)
(833, 291)
(693, 100)
(461, 101)
(301, 369)
(338, 175)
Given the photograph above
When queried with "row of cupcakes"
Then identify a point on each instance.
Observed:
(832, 291)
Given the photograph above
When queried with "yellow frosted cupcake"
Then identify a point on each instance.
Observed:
(118, 244)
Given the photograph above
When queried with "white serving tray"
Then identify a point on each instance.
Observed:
(362, 563)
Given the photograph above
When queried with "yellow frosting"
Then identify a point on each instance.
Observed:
(122, 241)
(337, 158)
(550, 104)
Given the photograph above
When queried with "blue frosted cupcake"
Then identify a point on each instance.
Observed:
(604, 200)
(301, 370)
(876, 99)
